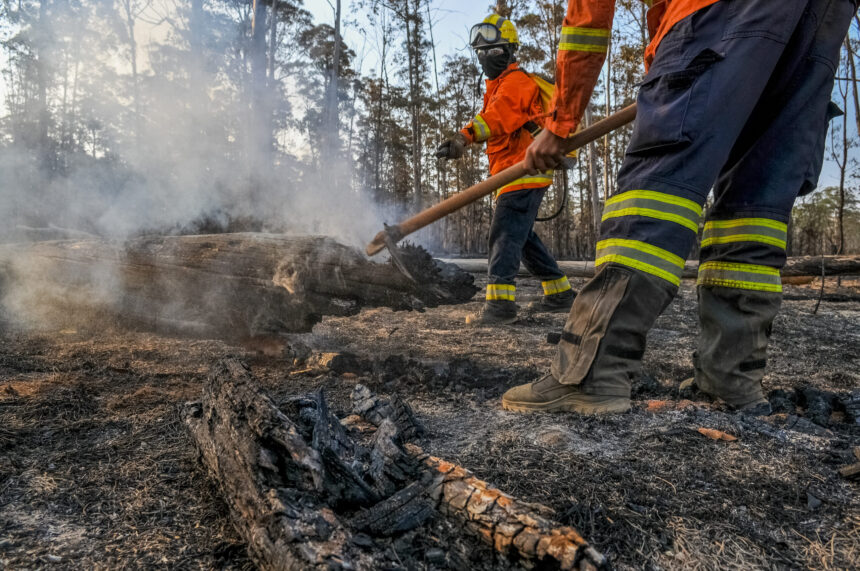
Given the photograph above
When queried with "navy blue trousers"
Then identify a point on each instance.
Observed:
(513, 239)
(737, 100)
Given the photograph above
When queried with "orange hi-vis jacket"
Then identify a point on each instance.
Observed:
(511, 100)
(582, 51)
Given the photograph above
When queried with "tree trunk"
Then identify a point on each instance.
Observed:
(130, 18)
(441, 171)
(42, 88)
(413, 48)
(260, 138)
(592, 181)
(607, 156)
(843, 166)
(852, 68)
(332, 117)
(229, 286)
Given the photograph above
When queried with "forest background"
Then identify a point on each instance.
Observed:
(125, 117)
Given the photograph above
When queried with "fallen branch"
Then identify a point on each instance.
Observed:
(52, 232)
(511, 526)
(300, 485)
(802, 266)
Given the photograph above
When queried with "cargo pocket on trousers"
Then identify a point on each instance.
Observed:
(613, 282)
(673, 106)
(810, 180)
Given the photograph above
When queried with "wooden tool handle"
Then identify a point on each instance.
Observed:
(495, 182)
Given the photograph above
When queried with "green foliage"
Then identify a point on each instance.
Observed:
(814, 223)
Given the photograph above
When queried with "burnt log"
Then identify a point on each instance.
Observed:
(377, 410)
(305, 491)
(265, 470)
(801, 266)
(232, 286)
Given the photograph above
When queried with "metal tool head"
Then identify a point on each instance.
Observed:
(390, 236)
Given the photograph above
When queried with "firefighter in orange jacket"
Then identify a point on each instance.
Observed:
(736, 99)
(508, 122)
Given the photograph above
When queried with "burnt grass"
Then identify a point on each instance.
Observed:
(97, 471)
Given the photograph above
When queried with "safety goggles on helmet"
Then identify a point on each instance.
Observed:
(484, 34)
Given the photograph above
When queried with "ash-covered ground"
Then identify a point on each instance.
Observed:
(97, 471)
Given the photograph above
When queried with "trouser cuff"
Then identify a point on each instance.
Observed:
(553, 287)
(501, 292)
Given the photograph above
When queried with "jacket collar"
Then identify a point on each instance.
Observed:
(513, 66)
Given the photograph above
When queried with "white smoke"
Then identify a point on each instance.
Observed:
(187, 158)
(186, 164)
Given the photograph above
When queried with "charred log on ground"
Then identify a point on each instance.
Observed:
(800, 266)
(231, 286)
(304, 488)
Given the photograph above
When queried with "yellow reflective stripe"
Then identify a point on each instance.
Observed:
(650, 213)
(766, 222)
(536, 181)
(737, 267)
(744, 238)
(560, 285)
(569, 47)
(638, 265)
(763, 230)
(584, 39)
(642, 247)
(501, 291)
(641, 256)
(653, 204)
(740, 276)
(659, 197)
(597, 32)
(481, 129)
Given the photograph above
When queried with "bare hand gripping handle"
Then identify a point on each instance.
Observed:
(495, 182)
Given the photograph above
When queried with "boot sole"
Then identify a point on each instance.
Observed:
(581, 404)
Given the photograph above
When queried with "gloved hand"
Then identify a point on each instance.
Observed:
(452, 148)
(545, 153)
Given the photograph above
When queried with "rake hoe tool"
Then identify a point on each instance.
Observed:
(393, 234)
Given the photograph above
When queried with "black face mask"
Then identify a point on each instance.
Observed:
(494, 65)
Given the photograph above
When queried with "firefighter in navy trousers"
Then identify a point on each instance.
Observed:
(736, 100)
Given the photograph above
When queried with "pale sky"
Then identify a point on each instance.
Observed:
(451, 22)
